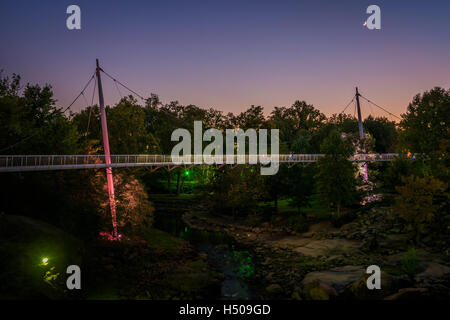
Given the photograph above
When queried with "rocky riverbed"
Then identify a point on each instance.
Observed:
(330, 263)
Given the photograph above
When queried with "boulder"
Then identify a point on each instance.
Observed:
(274, 289)
(394, 242)
(318, 290)
(315, 248)
(338, 278)
(360, 291)
(433, 272)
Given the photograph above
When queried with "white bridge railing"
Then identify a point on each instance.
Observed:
(14, 163)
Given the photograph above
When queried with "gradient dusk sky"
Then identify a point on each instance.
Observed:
(232, 54)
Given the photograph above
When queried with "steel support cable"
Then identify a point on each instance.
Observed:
(118, 90)
(91, 107)
(81, 93)
(15, 144)
(115, 80)
(390, 113)
(347, 105)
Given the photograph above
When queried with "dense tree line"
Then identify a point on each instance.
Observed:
(30, 123)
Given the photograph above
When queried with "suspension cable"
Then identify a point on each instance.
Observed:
(15, 144)
(117, 81)
(390, 113)
(118, 90)
(347, 105)
(81, 93)
(91, 107)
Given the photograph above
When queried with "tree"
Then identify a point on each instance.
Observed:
(275, 187)
(336, 177)
(30, 123)
(301, 185)
(383, 131)
(418, 202)
(236, 190)
(425, 124)
(301, 119)
(127, 131)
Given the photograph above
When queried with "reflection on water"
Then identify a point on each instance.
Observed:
(235, 263)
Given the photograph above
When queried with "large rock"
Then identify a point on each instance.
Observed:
(339, 278)
(315, 248)
(360, 291)
(395, 241)
(434, 272)
(274, 289)
(318, 290)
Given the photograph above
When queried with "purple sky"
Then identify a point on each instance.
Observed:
(232, 54)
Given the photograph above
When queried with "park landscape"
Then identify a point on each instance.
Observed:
(349, 101)
(225, 231)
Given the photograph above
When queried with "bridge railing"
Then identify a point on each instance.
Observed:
(48, 162)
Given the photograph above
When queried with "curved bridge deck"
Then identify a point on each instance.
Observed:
(16, 163)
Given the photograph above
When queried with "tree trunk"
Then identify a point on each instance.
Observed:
(178, 182)
(276, 203)
(169, 181)
(338, 208)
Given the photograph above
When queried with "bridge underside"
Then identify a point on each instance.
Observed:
(17, 163)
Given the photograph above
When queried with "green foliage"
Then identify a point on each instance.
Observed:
(301, 184)
(336, 177)
(236, 191)
(301, 119)
(298, 223)
(127, 132)
(30, 123)
(425, 124)
(343, 218)
(395, 171)
(383, 131)
(252, 220)
(419, 200)
(410, 262)
(162, 241)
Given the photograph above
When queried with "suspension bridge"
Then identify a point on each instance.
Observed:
(19, 163)
(23, 163)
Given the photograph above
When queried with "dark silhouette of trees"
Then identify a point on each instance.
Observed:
(336, 177)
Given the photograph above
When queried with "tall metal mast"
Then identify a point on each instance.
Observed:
(361, 133)
(109, 175)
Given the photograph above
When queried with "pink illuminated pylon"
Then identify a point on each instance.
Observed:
(109, 175)
(361, 133)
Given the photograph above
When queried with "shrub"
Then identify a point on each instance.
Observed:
(410, 262)
(298, 223)
(339, 220)
(418, 202)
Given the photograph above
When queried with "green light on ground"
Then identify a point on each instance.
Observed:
(187, 173)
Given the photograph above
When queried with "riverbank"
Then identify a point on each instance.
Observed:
(330, 263)
(153, 265)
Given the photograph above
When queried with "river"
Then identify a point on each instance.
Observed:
(223, 254)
